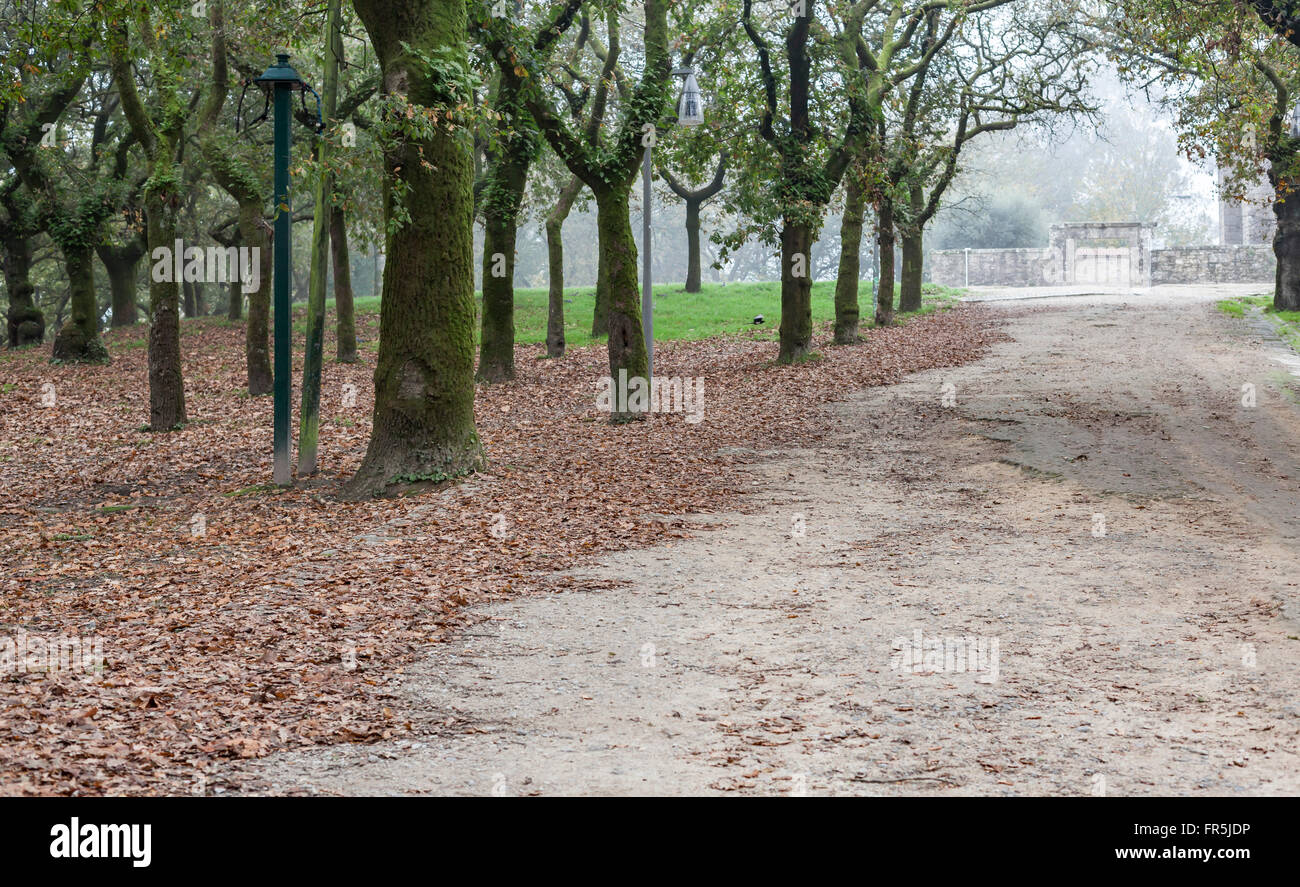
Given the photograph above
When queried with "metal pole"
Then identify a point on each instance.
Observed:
(283, 269)
(968, 266)
(647, 285)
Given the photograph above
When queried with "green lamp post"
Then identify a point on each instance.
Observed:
(281, 80)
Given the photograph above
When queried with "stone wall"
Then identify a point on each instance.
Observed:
(1254, 263)
(992, 267)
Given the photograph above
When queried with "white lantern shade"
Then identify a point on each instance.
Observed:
(690, 108)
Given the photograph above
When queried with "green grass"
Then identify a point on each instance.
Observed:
(1287, 322)
(679, 315)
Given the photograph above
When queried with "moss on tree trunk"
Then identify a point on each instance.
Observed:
(343, 307)
(166, 386)
(122, 265)
(618, 269)
(885, 286)
(847, 312)
(26, 322)
(796, 292)
(423, 424)
(78, 339)
(256, 235)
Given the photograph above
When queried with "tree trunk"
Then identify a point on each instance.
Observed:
(423, 424)
(909, 295)
(121, 266)
(796, 292)
(322, 228)
(187, 299)
(885, 286)
(1286, 249)
(256, 235)
(693, 246)
(555, 291)
(343, 307)
(618, 270)
(26, 322)
(496, 356)
(166, 385)
(235, 307)
(847, 313)
(78, 340)
(600, 316)
(555, 267)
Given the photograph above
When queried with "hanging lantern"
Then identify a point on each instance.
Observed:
(690, 108)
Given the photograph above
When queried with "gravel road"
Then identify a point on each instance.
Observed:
(1091, 535)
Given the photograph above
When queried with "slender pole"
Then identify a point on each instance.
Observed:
(647, 285)
(968, 266)
(283, 268)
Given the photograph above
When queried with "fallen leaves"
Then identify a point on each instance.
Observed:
(238, 619)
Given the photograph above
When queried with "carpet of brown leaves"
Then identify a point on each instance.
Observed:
(236, 619)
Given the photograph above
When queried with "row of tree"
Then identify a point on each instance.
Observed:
(121, 122)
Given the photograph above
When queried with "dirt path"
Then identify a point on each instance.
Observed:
(1095, 500)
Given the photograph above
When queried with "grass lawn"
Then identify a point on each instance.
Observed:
(1287, 322)
(678, 314)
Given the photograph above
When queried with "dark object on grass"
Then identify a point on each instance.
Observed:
(758, 320)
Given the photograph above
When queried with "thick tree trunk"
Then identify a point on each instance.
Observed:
(256, 235)
(847, 312)
(122, 264)
(26, 322)
(78, 340)
(343, 307)
(885, 286)
(1286, 249)
(693, 246)
(618, 270)
(796, 292)
(166, 384)
(423, 425)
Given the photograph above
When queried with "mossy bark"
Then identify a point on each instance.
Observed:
(796, 292)
(122, 263)
(885, 286)
(502, 196)
(909, 293)
(256, 235)
(26, 322)
(166, 384)
(555, 267)
(618, 269)
(423, 424)
(78, 339)
(346, 351)
(847, 312)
